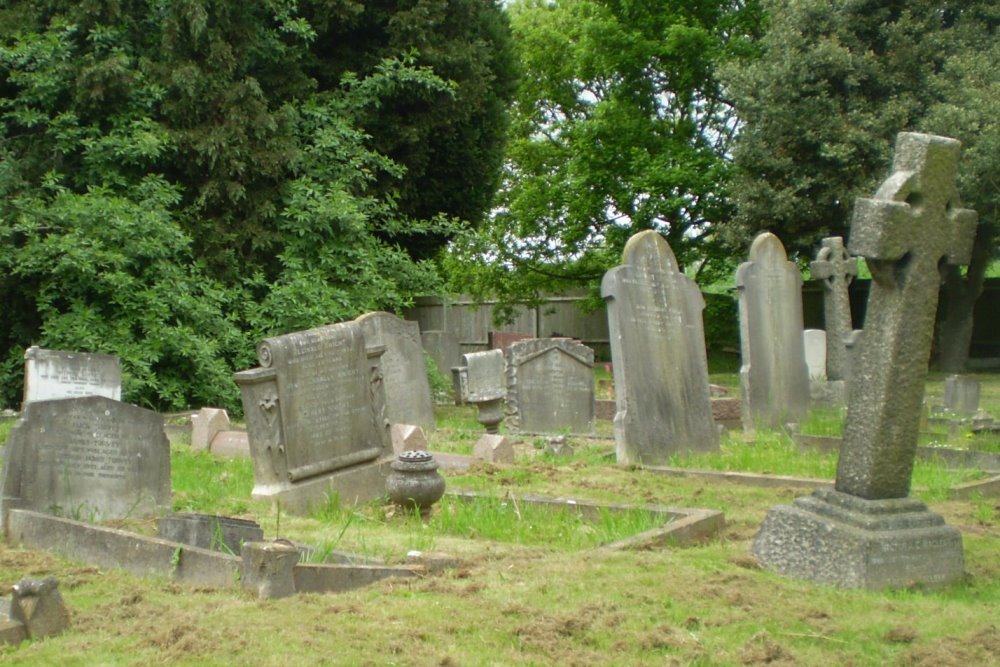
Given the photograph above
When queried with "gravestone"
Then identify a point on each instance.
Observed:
(209, 531)
(52, 374)
(89, 458)
(407, 391)
(316, 420)
(866, 532)
(444, 349)
(207, 424)
(961, 395)
(658, 348)
(774, 381)
(814, 341)
(480, 381)
(550, 386)
(836, 269)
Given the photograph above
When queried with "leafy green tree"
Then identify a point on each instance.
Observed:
(619, 125)
(821, 108)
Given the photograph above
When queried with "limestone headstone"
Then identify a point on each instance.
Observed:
(836, 269)
(316, 419)
(480, 380)
(550, 386)
(51, 374)
(814, 341)
(408, 438)
(90, 458)
(867, 532)
(407, 390)
(961, 395)
(774, 381)
(494, 448)
(205, 425)
(658, 348)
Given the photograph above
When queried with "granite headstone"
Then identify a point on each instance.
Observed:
(550, 386)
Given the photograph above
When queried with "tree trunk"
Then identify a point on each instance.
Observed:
(958, 298)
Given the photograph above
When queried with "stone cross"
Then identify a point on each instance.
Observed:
(911, 226)
(836, 269)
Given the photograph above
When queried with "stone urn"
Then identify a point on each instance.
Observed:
(415, 481)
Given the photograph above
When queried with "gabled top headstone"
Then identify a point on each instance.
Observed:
(836, 269)
(550, 386)
(88, 458)
(52, 374)
(407, 390)
(773, 378)
(658, 350)
(913, 223)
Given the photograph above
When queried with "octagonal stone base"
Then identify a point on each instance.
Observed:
(840, 539)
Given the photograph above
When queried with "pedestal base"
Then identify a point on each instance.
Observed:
(840, 539)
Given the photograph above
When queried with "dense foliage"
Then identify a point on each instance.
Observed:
(178, 179)
(620, 125)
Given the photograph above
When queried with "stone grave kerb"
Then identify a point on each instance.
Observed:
(836, 269)
(912, 225)
(774, 378)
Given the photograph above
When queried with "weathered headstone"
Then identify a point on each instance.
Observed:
(407, 391)
(480, 381)
(867, 532)
(89, 458)
(836, 269)
(205, 425)
(961, 395)
(315, 414)
(774, 381)
(408, 438)
(814, 341)
(52, 374)
(39, 607)
(209, 531)
(658, 348)
(550, 386)
(494, 448)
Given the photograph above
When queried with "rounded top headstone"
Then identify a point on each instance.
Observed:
(649, 249)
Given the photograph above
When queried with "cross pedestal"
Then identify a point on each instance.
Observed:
(868, 533)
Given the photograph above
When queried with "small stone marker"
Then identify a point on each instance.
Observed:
(268, 569)
(814, 341)
(961, 395)
(866, 532)
(774, 380)
(494, 448)
(315, 413)
(550, 386)
(89, 458)
(408, 438)
(407, 390)
(836, 269)
(38, 606)
(205, 425)
(52, 374)
(208, 531)
(658, 348)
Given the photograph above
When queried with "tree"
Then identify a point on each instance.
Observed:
(619, 125)
(175, 184)
(821, 108)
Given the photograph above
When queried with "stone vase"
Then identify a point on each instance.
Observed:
(415, 481)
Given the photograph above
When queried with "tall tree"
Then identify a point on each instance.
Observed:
(820, 110)
(619, 125)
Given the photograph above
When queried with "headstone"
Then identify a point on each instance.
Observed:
(89, 458)
(658, 349)
(231, 444)
(315, 414)
(480, 381)
(52, 374)
(408, 438)
(774, 380)
(867, 532)
(205, 425)
(268, 569)
(208, 531)
(814, 341)
(494, 448)
(407, 390)
(836, 269)
(39, 607)
(550, 386)
(444, 349)
(961, 395)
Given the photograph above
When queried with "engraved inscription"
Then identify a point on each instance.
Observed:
(91, 450)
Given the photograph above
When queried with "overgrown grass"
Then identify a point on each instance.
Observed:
(205, 483)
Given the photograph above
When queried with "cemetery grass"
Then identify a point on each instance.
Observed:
(519, 601)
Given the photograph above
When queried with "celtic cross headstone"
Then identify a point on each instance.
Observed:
(836, 269)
